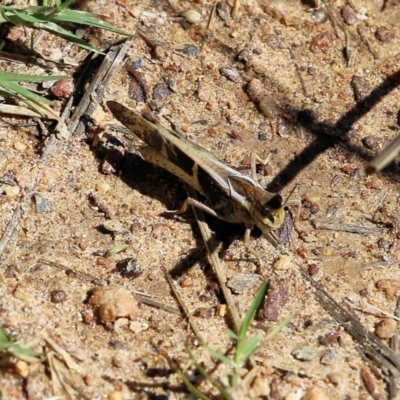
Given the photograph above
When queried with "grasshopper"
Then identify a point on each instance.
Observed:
(231, 196)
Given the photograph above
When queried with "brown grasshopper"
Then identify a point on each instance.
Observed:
(231, 196)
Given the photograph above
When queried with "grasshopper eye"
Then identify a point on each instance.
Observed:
(275, 202)
(265, 205)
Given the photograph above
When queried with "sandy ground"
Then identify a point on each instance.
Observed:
(315, 90)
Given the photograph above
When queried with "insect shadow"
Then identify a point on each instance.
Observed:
(328, 135)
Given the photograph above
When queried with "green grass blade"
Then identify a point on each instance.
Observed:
(6, 77)
(21, 351)
(207, 376)
(25, 17)
(249, 347)
(15, 349)
(3, 336)
(14, 89)
(244, 327)
(232, 335)
(276, 329)
(86, 18)
(219, 356)
(192, 389)
(59, 31)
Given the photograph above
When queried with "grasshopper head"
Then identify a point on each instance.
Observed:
(268, 212)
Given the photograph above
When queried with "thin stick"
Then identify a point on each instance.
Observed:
(178, 297)
(385, 157)
(395, 347)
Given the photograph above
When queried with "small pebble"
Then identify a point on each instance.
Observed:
(222, 310)
(10, 191)
(62, 88)
(112, 302)
(389, 286)
(315, 393)
(192, 16)
(385, 328)
(160, 91)
(372, 143)
(269, 107)
(115, 395)
(137, 63)
(19, 146)
(240, 283)
(322, 42)
(114, 226)
(293, 396)
(8, 179)
(223, 11)
(118, 360)
(256, 90)
(349, 15)
(103, 187)
(336, 378)
(22, 368)
(369, 382)
(57, 296)
(186, 282)
(320, 15)
(11, 271)
(384, 35)
(116, 344)
(361, 87)
(283, 263)
(42, 204)
(190, 50)
(313, 269)
(262, 137)
(328, 357)
(129, 268)
(231, 73)
(138, 326)
(305, 353)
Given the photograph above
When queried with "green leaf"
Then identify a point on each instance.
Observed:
(116, 249)
(61, 32)
(207, 376)
(276, 329)
(232, 335)
(3, 336)
(48, 18)
(21, 351)
(5, 77)
(220, 356)
(14, 89)
(252, 310)
(248, 348)
(15, 349)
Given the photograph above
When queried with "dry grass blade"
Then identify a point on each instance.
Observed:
(94, 93)
(215, 261)
(374, 349)
(192, 322)
(394, 345)
(385, 157)
(337, 226)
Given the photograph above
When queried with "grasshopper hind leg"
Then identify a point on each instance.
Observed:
(195, 203)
